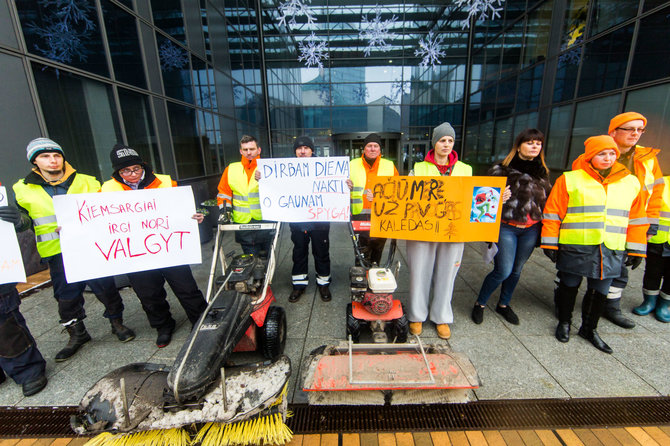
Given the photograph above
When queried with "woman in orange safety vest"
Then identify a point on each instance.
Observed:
(593, 218)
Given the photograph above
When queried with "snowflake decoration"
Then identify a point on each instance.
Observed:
(429, 49)
(324, 93)
(312, 52)
(571, 57)
(172, 57)
(399, 88)
(295, 8)
(480, 9)
(376, 31)
(65, 30)
(361, 94)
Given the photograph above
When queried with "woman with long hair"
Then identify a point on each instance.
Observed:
(529, 186)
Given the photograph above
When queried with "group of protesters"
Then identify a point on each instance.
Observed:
(604, 215)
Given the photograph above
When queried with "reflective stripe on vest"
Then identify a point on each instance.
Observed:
(246, 199)
(40, 207)
(587, 221)
(427, 169)
(664, 220)
(114, 186)
(359, 178)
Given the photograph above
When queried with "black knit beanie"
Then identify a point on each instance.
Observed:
(123, 156)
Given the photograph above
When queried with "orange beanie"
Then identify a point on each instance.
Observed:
(624, 118)
(596, 144)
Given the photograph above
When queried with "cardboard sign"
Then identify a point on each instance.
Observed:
(111, 233)
(304, 189)
(11, 262)
(437, 209)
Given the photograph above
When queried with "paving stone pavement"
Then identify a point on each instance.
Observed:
(523, 361)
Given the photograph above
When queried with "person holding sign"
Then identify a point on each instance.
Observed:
(132, 173)
(364, 173)
(301, 234)
(52, 175)
(593, 219)
(435, 262)
(528, 186)
(239, 200)
(19, 356)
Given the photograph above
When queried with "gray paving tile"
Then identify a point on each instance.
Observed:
(583, 371)
(506, 369)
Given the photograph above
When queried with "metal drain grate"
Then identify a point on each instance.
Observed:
(36, 422)
(505, 414)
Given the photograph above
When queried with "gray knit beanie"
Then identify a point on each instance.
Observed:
(42, 145)
(442, 130)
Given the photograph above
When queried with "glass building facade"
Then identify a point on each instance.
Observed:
(182, 80)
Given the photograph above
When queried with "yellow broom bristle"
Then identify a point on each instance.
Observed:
(162, 437)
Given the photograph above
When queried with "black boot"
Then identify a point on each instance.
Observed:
(122, 332)
(613, 314)
(35, 386)
(78, 337)
(592, 308)
(565, 302)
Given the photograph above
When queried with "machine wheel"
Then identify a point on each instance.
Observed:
(400, 329)
(353, 325)
(273, 331)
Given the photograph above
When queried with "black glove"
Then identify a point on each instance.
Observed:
(551, 253)
(633, 261)
(11, 215)
(226, 215)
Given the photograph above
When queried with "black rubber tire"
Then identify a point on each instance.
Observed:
(273, 338)
(353, 325)
(400, 329)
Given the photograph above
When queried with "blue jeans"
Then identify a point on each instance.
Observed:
(515, 245)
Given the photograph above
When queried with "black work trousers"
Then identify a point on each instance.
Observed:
(149, 287)
(657, 269)
(301, 235)
(19, 357)
(70, 296)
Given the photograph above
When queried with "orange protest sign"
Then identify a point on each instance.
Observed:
(437, 209)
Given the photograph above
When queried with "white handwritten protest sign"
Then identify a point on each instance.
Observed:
(111, 233)
(304, 189)
(11, 262)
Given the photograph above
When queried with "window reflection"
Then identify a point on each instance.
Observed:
(72, 38)
(530, 86)
(140, 134)
(537, 34)
(123, 45)
(168, 16)
(591, 118)
(175, 69)
(650, 60)
(608, 13)
(80, 115)
(654, 103)
(605, 60)
(557, 139)
(185, 140)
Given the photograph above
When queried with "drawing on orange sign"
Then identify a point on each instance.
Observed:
(438, 209)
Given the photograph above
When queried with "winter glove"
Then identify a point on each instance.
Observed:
(633, 261)
(551, 253)
(11, 215)
(226, 216)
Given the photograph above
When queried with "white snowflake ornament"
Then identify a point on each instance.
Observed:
(293, 9)
(480, 9)
(376, 31)
(429, 50)
(312, 52)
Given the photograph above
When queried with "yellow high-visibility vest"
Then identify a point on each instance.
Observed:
(426, 169)
(596, 216)
(359, 178)
(246, 199)
(664, 220)
(40, 207)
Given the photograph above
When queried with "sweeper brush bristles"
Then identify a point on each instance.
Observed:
(162, 437)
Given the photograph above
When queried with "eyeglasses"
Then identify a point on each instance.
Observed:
(127, 172)
(631, 129)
